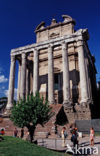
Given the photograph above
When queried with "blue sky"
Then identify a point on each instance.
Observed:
(19, 18)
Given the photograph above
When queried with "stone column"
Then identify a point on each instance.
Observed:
(27, 82)
(11, 84)
(23, 76)
(35, 71)
(19, 82)
(88, 81)
(50, 76)
(66, 81)
(82, 71)
(88, 76)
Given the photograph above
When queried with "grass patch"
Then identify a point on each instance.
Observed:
(11, 146)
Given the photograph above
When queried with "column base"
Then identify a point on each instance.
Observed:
(51, 102)
(86, 102)
(7, 112)
(67, 104)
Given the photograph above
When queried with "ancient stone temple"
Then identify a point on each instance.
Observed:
(59, 66)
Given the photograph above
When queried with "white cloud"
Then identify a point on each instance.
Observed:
(3, 87)
(3, 79)
(15, 93)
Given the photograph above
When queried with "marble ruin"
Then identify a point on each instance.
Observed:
(59, 66)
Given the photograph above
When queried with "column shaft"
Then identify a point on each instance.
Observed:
(82, 70)
(27, 82)
(11, 83)
(88, 76)
(66, 81)
(50, 76)
(19, 82)
(35, 72)
(23, 76)
(88, 81)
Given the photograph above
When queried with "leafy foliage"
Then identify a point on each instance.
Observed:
(28, 113)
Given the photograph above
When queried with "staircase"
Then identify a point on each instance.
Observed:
(49, 128)
(40, 132)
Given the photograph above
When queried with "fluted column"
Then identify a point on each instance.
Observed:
(23, 76)
(35, 72)
(66, 81)
(11, 84)
(88, 82)
(27, 82)
(82, 71)
(88, 76)
(50, 76)
(19, 82)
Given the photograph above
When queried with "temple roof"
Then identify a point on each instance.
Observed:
(66, 20)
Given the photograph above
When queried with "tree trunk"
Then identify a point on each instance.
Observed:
(31, 130)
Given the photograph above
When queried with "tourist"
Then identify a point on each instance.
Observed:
(15, 132)
(2, 131)
(63, 135)
(92, 136)
(70, 129)
(22, 133)
(74, 137)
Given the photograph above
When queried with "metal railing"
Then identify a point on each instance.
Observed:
(53, 143)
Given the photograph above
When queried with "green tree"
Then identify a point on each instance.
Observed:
(28, 113)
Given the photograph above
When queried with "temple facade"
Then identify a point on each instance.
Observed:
(59, 66)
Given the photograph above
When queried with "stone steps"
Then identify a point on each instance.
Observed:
(40, 131)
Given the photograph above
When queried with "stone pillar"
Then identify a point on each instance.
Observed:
(50, 76)
(35, 71)
(88, 76)
(82, 71)
(19, 82)
(27, 82)
(66, 82)
(23, 76)
(88, 82)
(11, 84)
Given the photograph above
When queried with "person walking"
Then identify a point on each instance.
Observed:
(15, 132)
(74, 138)
(92, 136)
(63, 135)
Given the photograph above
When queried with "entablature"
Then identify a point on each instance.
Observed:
(77, 36)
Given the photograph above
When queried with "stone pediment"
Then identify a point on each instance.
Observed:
(66, 18)
(40, 26)
(54, 35)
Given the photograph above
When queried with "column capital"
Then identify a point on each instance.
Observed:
(23, 55)
(50, 46)
(36, 49)
(12, 58)
(35, 52)
(64, 45)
